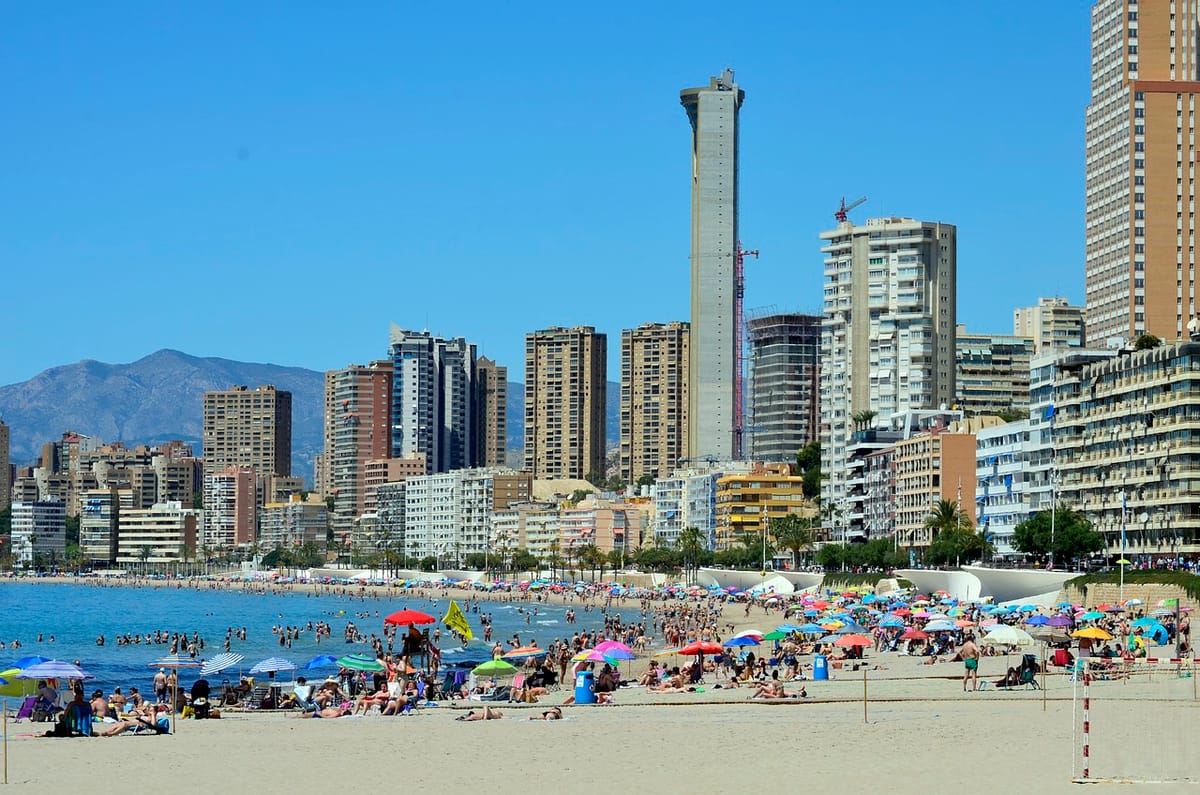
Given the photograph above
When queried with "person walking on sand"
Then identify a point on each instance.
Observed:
(970, 657)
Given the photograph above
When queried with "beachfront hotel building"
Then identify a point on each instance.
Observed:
(991, 373)
(248, 428)
(358, 429)
(532, 526)
(1053, 325)
(1002, 454)
(156, 536)
(688, 498)
(387, 470)
(565, 399)
(713, 379)
(609, 526)
(746, 502)
(887, 330)
(654, 399)
(292, 524)
(99, 522)
(39, 534)
(491, 406)
(1127, 442)
(448, 515)
(785, 364)
(230, 503)
(1140, 234)
(929, 468)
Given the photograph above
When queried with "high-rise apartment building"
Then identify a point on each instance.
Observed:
(565, 386)
(248, 428)
(230, 500)
(714, 380)
(887, 333)
(39, 534)
(785, 366)
(5, 467)
(433, 399)
(1053, 324)
(991, 373)
(491, 422)
(1140, 237)
(358, 429)
(654, 399)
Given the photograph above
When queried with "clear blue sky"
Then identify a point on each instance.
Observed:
(172, 169)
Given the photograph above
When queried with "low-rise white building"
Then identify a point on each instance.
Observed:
(162, 534)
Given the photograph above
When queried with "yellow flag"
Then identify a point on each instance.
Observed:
(457, 621)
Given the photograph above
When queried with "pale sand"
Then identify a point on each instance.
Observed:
(923, 735)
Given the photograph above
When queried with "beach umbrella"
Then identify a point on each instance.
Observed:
(830, 638)
(853, 641)
(1059, 621)
(701, 647)
(776, 635)
(220, 663)
(1133, 602)
(524, 652)
(742, 641)
(914, 634)
(494, 667)
(1094, 633)
(593, 655)
(614, 645)
(1037, 621)
(1005, 635)
(406, 618)
(32, 659)
(54, 669)
(963, 623)
(272, 665)
(320, 661)
(360, 662)
(1162, 611)
(892, 622)
(940, 626)
(666, 652)
(175, 662)
(1091, 616)
(1145, 621)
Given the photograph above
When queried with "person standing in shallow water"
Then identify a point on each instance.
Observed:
(970, 657)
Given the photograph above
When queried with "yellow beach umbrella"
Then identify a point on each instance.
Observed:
(1095, 633)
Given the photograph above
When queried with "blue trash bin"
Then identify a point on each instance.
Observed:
(820, 667)
(584, 694)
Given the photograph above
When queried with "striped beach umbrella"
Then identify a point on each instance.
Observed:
(273, 664)
(360, 662)
(221, 662)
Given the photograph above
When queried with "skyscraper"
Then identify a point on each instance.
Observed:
(784, 364)
(1140, 240)
(5, 467)
(654, 399)
(713, 113)
(358, 429)
(433, 399)
(248, 428)
(887, 333)
(991, 373)
(565, 383)
(491, 421)
(1053, 325)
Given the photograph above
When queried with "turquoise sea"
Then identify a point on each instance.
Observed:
(75, 615)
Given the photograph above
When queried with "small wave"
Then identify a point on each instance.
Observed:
(547, 623)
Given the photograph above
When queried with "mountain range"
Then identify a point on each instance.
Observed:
(159, 397)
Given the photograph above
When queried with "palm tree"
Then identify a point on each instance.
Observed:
(690, 544)
(862, 419)
(792, 532)
(945, 515)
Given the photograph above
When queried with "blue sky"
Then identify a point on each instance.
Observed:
(172, 169)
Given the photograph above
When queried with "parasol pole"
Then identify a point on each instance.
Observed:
(1045, 648)
(174, 698)
(6, 739)
(864, 694)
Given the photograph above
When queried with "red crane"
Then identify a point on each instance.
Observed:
(739, 341)
(840, 213)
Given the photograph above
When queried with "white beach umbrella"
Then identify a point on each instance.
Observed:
(1005, 635)
(221, 662)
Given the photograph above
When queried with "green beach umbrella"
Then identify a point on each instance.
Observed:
(360, 662)
(493, 667)
(776, 635)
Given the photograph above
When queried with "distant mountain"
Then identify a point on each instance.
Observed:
(516, 415)
(154, 399)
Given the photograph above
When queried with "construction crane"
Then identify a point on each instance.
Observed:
(739, 341)
(840, 213)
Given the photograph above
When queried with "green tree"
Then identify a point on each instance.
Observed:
(524, 560)
(478, 561)
(793, 533)
(73, 529)
(1073, 535)
(862, 419)
(429, 563)
(198, 500)
(953, 535)
(616, 559)
(808, 464)
(653, 557)
(1012, 415)
(590, 557)
(1146, 342)
(645, 480)
(578, 496)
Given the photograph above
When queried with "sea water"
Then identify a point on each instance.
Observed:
(76, 615)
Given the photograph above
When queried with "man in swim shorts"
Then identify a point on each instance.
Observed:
(970, 657)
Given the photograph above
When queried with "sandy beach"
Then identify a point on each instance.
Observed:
(922, 734)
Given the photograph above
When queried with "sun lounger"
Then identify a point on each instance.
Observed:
(26, 710)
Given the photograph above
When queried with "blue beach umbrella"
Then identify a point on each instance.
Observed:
(1037, 621)
(940, 626)
(892, 622)
(741, 641)
(32, 659)
(320, 661)
(54, 669)
(1091, 616)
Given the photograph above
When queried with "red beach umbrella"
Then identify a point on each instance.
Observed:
(406, 618)
(702, 647)
(854, 640)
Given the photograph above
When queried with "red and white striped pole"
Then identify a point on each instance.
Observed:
(1087, 726)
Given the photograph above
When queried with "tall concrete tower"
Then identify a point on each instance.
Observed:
(713, 113)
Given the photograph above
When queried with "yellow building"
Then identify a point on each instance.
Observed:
(747, 501)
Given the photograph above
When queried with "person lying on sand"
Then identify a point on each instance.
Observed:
(327, 712)
(554, 713)
(487, 714)
(775, 690)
